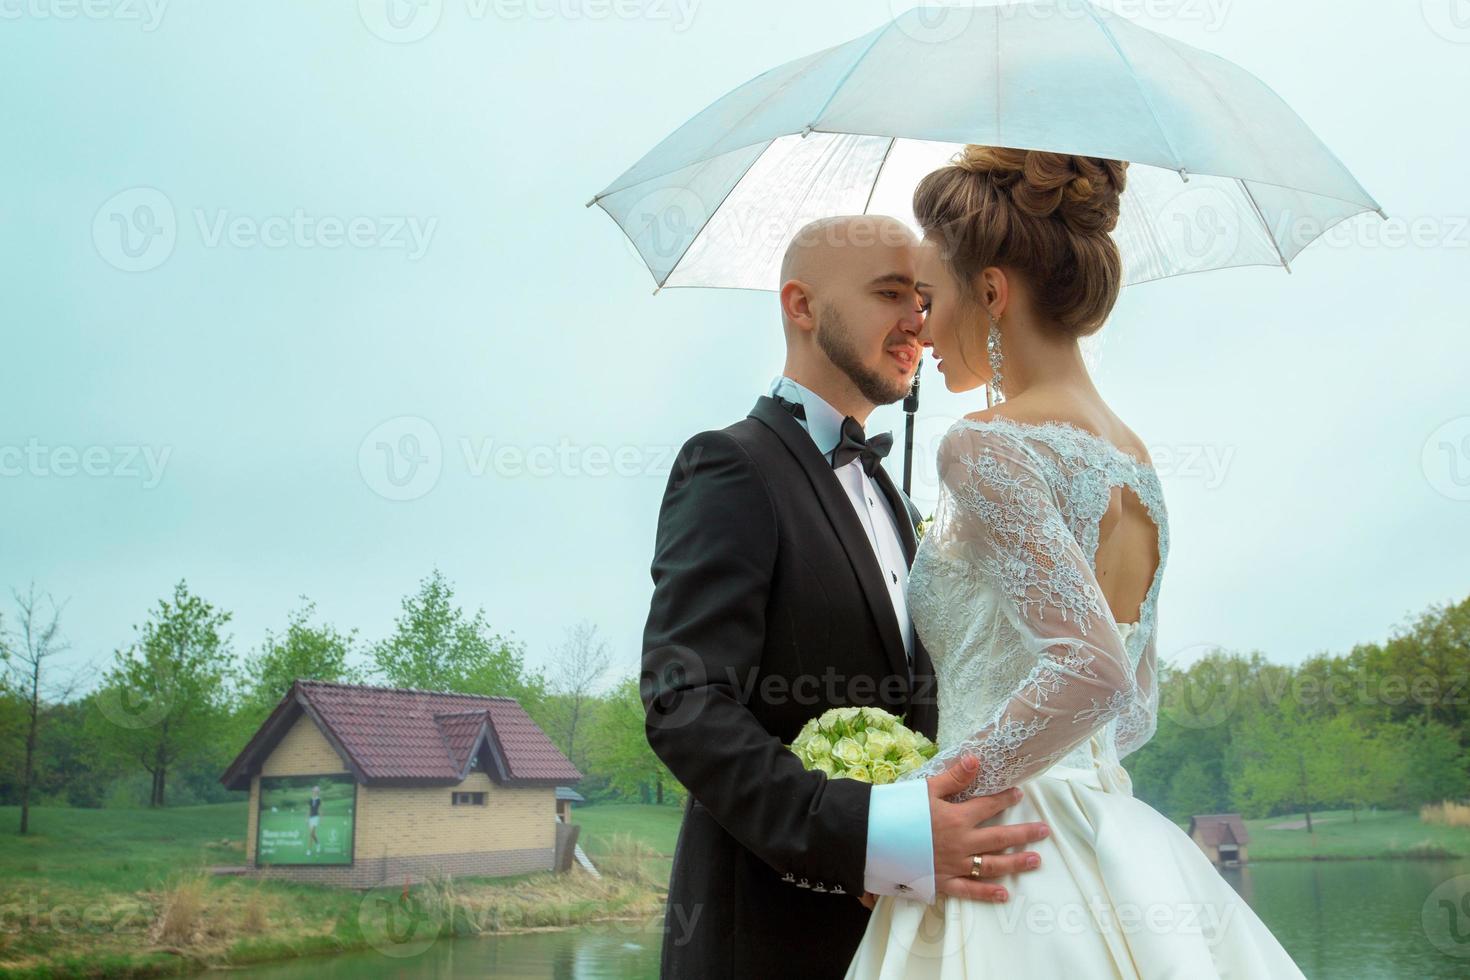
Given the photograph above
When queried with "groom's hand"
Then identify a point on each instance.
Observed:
(957, 836)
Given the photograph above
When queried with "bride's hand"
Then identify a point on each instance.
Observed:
(958, 836)
(869, 900)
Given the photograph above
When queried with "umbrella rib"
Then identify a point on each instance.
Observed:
(1265, 224)
(1226, 107)
(878, 36)
(1107, 33)
(695, 237)
(878, 173)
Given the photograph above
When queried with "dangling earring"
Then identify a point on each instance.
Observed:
(992, 345)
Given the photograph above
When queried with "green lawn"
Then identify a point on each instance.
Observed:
(1385, 833)
(90, 892)
(118, 849)
(656, 826)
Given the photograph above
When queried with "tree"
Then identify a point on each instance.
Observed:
(164, 702)
(618, 749)
(1423, 668)
(27, 655)
(576, 668)
(1287, 758)
(1365, 762)
(435, 647)
(1193, 791)
(307, 651)
(1427, 758)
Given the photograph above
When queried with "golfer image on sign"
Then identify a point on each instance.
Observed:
(314, 816)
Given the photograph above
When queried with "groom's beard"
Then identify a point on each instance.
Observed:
(836, 343)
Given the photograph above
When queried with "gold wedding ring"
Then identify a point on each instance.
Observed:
(975, 860)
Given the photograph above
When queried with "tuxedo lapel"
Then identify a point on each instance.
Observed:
(840, 512)
(900, 514)
(923, 710)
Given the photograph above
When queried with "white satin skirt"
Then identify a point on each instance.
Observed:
(1122, 892)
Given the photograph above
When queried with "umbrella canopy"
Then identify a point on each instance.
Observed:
(1222, 172)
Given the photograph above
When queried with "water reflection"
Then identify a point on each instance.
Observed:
(1367, 920)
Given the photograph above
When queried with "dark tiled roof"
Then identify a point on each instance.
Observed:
(1219, 828)
(461, 731)
(389, 734)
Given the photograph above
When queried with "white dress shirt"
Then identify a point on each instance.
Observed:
(900, 851)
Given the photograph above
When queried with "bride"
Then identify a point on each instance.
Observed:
(1036, 593)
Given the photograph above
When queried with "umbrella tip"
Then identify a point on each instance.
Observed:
(1184, 175)
(593, 201)
(1382, 213)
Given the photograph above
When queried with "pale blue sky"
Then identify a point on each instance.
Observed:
(370, 231)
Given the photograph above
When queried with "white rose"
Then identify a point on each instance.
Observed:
(884, 772)
(878, 744)
(848, 752)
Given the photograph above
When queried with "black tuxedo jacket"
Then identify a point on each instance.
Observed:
(769, 607)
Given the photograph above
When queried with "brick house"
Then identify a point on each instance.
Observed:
(1222, 836)
(359, 786)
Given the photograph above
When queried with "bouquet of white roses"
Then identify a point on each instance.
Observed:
(867, 744)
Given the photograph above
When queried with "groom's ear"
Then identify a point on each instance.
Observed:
(796, 305)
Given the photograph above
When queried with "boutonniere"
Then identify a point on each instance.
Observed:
(924, 526)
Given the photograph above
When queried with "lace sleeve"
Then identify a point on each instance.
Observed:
(1137, 723)
(999, 515)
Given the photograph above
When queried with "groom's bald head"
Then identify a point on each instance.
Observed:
(820, 249)
(850, 308)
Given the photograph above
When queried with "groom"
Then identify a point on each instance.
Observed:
(779, 571)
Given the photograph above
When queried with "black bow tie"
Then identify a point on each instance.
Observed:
(853, 445)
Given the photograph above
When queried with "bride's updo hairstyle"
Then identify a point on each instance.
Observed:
(1046, 216)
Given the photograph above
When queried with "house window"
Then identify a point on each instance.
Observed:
(468, 799)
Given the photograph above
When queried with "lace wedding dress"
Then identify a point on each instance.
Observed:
(1048, 692)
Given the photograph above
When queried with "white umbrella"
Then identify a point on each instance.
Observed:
(1223, 173)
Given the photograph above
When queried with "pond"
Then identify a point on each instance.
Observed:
(1363, 920)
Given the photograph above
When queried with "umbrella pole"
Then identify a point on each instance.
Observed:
(910, 406)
